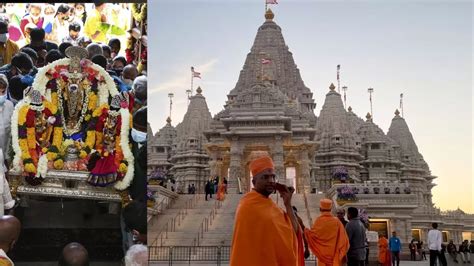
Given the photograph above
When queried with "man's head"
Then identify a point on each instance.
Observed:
(118, 63)
(63, 46)
(263, 175)
(22, 63)
(10, 228)
(106, 51)
(32, 53)
(135, 215)
(451, 241)
(74, 30)
(136, 255)
(325, 205)
(99, 5)
(139, 130)
(129, 74)
(74, 254)
(352, 213)
(94, 49)
(114, 44)
(3, 88)
(394, 233)
(434, 225)
(341, 212)
(53, 55)
(35, 12)
(37, 36)
(16, 87)
(3, 31)
(63, 12)
(100, 60)
(139, 88)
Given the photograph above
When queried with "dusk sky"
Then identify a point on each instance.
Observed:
(421, 49)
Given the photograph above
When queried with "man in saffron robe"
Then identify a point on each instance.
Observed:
(384, 253)
(327, 239)
(263, 233)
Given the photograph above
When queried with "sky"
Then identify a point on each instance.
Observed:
(419, 48)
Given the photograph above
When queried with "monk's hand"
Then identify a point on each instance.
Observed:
(286, 196)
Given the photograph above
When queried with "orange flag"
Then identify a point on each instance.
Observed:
(328, 240)
(263, 234)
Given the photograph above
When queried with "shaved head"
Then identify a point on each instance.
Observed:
(10, 228)
(130, 71)
(74, 254)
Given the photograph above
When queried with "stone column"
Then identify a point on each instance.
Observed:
(304, 179)
(234, 168)
(278, 159)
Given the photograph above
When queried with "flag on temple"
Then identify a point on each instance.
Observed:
(338, 68)
(266, 61)
(271, 2)
(195, 74)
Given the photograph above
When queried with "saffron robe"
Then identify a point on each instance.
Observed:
(384, 253)
(328, 240)
(263, 234)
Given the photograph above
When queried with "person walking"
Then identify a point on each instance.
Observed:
(395, 246)
(207, 189)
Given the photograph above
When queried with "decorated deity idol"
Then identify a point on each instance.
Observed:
(108, 164)
(39, 136)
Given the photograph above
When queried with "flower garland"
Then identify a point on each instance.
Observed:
(139, 14)
(46, 74)
(35, 157)
(127, 153)
(14, 132)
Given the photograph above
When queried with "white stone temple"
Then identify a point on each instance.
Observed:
(271, 111)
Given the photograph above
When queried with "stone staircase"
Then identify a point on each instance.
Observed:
(169, 218)
(192, 221)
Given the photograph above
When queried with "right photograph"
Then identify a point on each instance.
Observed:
(310, 133)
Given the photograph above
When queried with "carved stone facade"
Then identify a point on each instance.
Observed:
(190, 159)
(271, 111)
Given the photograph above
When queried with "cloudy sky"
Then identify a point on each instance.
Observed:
(422, 49)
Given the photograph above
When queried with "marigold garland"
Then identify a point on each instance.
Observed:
(139, 13)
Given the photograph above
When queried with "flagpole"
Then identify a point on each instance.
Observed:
(338, 80)
(265, 7)
(401, 102)
(344, 88)
(192, 78)
(371, 90)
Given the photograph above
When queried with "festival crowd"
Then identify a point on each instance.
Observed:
(114, 36)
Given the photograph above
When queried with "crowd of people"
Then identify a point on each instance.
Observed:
(280, 237)
(35, 35)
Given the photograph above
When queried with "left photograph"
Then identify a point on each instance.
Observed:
(73, 131)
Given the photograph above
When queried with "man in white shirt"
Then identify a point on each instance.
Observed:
(435, 239)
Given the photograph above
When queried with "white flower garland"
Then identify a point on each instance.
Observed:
(104, 89)
(127, 153)
(15, 140)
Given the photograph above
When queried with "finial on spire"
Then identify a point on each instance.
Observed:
(349, 109)
(368, 116)
(332, 87)
(199, 90)
(168, 120)
(269, 14)
(397, 113)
